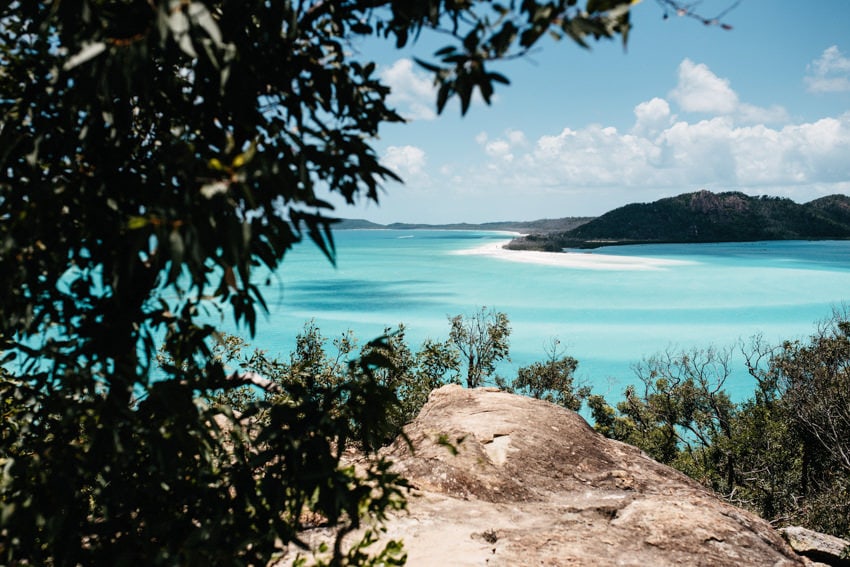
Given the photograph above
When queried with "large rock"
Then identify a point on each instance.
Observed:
(532, 484)
(823, 548)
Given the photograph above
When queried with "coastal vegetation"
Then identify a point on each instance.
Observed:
(474, 344)
(702, 216)
(781, 452)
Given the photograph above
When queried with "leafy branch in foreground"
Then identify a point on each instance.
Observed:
(155, 155)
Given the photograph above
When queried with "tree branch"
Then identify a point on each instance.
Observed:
(254, 379)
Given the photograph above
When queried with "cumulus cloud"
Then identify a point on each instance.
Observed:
(652, 116)
(412, 92)
(699, 90)
(406, 161)
(714, 152)
(516, 137)
(720, 143)
(595, 156)
(502, 147)
(499, 149)
(751, 114)
(737, 146)
(829, 73)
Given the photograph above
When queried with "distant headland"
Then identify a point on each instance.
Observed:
(696, 217)
(542, 226)
(703, 216)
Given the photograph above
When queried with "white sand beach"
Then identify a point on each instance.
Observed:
(578, 260)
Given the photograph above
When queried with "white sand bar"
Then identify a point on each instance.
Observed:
(578, 260)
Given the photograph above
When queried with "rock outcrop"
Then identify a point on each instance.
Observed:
(822, 548)
(506, 480)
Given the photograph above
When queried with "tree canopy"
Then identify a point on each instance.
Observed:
(481, 339)
(177, 145)
(153, 155)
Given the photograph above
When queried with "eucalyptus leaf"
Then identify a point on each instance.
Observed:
(88, 52)
(199, 15)
(179, 24)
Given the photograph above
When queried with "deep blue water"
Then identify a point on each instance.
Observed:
(715, 294)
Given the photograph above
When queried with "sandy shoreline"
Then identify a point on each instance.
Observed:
(579, 260)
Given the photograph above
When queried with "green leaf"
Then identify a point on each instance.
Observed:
(361, 28)
(498, 78)
(137, 222)
(428, 66)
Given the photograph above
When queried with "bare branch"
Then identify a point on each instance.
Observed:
(687, 9)
(254, 379)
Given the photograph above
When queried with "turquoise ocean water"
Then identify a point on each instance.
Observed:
(663, 296)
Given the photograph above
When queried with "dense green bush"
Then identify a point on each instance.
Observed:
(552, 380)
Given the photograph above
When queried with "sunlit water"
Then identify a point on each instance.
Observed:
(645, 300)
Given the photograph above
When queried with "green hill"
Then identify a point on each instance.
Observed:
(705, 217)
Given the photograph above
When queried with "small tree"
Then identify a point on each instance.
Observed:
(411, 376)
(482, 339)
(317, 361)
(679, 414)
(551, 380)
(813, 380)
(313, 360)
(437, 364)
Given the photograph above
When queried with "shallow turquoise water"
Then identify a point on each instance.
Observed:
(607, 319)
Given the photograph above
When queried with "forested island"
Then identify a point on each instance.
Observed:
(702, 216)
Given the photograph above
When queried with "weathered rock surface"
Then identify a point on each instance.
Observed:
(823, 548)
(533, 484)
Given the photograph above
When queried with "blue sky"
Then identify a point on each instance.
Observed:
(763, 109)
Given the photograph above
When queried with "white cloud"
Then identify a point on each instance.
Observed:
(755, 114)
(406, 161)
(499, 149)
(412, 92)
(502, 148)
(716, 153)
(592, 157)
(516, 137)
(829, 73)
(700, 90)
(652, 116)
(733, 146)
(698, 153)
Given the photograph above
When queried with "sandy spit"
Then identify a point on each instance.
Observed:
(577, 260)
